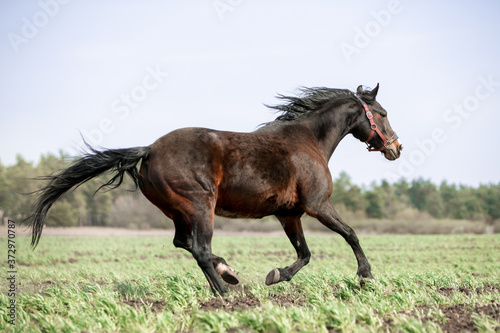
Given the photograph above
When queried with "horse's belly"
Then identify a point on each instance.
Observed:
(244, 203)
(238, 214)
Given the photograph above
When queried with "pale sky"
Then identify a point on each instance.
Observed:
(124, 73)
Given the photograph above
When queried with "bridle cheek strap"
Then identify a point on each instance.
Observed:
(374, 129)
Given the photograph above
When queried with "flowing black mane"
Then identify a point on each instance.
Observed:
(309, 100)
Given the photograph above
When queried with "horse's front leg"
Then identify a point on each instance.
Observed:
(331, 219)
(293, 229)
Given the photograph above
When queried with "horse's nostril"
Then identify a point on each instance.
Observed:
(400, 148)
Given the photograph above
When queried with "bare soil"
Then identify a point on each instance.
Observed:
(22, 230)
(231, 303)
(459, 317)
(240, 298)
(155, 306)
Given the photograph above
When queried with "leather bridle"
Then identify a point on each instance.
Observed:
(374, 129)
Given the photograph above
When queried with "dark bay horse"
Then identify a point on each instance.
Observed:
(281, 169)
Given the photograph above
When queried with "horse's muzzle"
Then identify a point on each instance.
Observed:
(393, 152)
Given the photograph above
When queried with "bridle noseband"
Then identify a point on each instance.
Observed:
(374, 129)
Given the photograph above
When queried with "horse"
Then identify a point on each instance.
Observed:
(280, 169)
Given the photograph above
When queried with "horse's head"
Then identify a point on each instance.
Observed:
(372, 125)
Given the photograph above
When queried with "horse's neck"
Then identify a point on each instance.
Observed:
(329, 128)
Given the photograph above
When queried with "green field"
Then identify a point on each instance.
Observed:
(139, 284)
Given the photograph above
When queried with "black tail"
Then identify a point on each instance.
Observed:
(92, 164)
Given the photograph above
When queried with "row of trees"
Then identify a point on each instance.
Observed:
(450, 201)
(124, 208)
(75, 208)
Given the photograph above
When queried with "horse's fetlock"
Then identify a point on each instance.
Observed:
(306, 260)
(203, 258)
(365, 271)
(178, 243)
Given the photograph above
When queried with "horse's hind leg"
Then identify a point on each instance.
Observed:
(184, 239)
(293, 229)
(202, 249)
(183, 234)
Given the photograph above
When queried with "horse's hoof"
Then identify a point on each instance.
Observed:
(366, 280)
(230, 277)
(227, 273)
(273, 277)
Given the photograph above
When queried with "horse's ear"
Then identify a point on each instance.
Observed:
(374, 92)
(360, 90)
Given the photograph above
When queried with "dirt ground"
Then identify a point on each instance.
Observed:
(459, 318)
(22, 230)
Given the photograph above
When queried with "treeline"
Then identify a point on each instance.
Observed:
(124, 208)
(389, 201)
